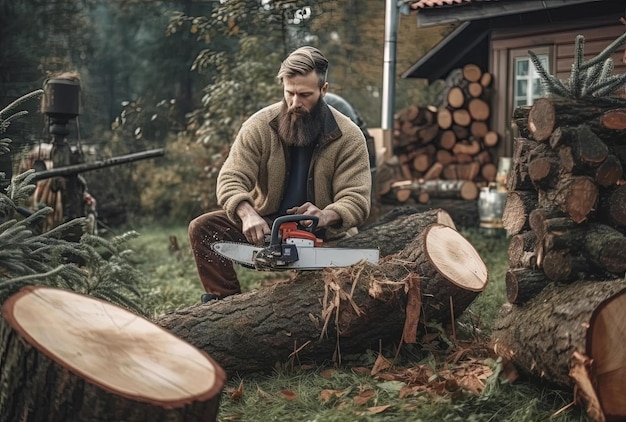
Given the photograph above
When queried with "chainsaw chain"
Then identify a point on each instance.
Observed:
(242, 263)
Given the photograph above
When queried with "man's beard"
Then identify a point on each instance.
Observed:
(298, 127)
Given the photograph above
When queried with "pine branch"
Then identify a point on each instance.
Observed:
(19, 101)
(575, 82)
(590, 80)
(552, 84)
(609, 85)
(593, 75)
(604, 54)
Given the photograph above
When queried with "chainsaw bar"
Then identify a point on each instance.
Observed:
(241, 253)
(309, 258)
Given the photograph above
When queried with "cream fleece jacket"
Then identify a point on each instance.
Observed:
(339, 175)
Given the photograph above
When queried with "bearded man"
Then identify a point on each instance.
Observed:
(297, 156)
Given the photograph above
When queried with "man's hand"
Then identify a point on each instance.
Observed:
(326, 217)
(253, 226)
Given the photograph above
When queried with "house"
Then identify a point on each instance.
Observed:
(496, 35)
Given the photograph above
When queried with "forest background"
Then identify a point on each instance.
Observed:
(183, 75)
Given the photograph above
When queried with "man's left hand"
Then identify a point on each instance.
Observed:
(326, 217)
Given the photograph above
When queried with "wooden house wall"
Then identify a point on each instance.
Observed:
(560, 42)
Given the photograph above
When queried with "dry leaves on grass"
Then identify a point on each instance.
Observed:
(467, 368)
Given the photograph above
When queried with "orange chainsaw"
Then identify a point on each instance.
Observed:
(293, 247)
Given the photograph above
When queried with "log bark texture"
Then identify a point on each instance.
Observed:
(319, 315)
(542, 337)
(67, 357)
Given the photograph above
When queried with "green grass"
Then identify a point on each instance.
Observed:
(351, 393)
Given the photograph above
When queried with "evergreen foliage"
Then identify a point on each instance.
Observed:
(589, 80)
(93, 266)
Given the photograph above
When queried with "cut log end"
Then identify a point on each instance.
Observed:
(455, 258)
(606, 347)
(541, 119)
(124, 356)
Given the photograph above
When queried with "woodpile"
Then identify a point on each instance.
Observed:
(444, 150)
(565, 283)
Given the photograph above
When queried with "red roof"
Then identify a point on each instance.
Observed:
(422, 4)
(427, 4)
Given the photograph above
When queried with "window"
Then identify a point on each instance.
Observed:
(527, 85)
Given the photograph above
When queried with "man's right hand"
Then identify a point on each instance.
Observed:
(254, 227)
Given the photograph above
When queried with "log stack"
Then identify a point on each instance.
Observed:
(435, 145)
(565, 283)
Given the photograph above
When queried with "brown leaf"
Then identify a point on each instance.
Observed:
(328, 373)
(364, 397)
(289, 395)
(236, 393)
(427, 338)
(326, 395)
(361, 370)
(379, 409)
(381, 364)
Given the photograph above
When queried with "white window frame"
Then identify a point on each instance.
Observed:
(532, 78)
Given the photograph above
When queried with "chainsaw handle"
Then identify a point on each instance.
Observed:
(275, 240)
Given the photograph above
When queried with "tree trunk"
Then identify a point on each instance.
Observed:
(544, 336)
(320, 315)
(68, 357)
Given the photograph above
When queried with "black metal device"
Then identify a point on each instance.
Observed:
(60, 104)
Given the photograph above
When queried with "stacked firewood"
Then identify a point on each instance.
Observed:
(444, 150)
(566, 191)
(566, 283)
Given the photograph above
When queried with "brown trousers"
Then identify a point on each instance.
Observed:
(216, 273)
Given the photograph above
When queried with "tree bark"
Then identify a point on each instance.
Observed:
(543, 336)
(67, 357)
(522, 284)
(547, 114)
(320, 315)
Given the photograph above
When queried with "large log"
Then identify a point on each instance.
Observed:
(319, 315)
(574, 195)
(67, 357)
(546, 114)
(547, 336)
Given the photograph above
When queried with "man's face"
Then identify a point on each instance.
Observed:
(302, 93)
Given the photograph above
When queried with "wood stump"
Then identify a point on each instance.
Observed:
(318, 316)
(572, 335)
(68, 357)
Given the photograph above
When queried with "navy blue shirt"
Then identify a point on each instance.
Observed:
(296, 188)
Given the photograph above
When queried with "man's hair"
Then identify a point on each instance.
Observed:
(303, 61)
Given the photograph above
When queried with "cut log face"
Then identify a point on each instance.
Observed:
(112, 364)
(455, 258)
(607, 346)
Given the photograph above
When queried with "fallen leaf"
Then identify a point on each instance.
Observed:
(236, 393)
(289, 395)
(364, 397)
(381, 364)
(328, 373)
(379, 409)
(326, 395)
